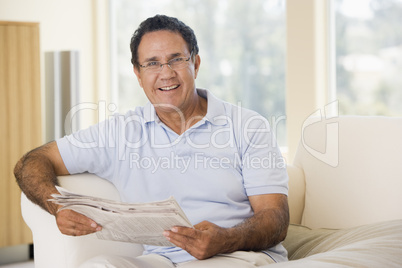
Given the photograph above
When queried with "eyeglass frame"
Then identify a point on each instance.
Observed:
(167, 63)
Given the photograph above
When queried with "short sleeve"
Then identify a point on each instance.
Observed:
(89, 150)
(263, 167)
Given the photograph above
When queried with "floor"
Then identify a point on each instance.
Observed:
(29, 264)
(18, 256)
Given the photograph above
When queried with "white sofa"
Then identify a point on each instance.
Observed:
(345, 198)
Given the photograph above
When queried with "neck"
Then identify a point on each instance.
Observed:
(181, 120)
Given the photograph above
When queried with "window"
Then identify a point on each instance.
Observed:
(242, 48)
(369, 56)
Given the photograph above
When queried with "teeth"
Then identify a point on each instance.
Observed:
(169, 88)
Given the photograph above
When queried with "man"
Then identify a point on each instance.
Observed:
(227, 173)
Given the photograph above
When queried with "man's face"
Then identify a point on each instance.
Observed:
(168, 88)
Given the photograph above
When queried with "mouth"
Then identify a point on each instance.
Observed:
(168, 88)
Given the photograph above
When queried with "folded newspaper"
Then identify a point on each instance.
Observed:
(141, 223)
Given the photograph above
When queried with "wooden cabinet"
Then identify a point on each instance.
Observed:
(20, 119)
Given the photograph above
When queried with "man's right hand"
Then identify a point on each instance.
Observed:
(75, 224)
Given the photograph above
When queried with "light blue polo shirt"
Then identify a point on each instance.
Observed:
(210, 169)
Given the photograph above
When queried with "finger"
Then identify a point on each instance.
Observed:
(73, 223)
(75, 229)
(185, 238)
(80, 222)
(185, 242)
(76, 217)
(194, 246)
(185, 231)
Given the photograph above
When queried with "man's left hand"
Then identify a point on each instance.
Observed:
(203, 241)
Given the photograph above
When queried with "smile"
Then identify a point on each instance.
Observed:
(169, 88)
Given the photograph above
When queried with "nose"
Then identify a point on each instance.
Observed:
(165, 64)
(165, 72)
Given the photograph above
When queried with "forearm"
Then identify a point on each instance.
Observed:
(36, 176)
(265, 229)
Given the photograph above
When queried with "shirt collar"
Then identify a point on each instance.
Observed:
(216, 113)
(150, 113)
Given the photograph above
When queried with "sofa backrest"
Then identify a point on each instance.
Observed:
(352, 168)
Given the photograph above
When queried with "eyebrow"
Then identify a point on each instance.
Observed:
(171, 56)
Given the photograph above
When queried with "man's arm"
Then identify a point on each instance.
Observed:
(36, 173)
(265, 229)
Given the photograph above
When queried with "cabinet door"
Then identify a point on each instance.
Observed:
(20, 120)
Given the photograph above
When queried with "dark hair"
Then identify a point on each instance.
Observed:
(160, 23)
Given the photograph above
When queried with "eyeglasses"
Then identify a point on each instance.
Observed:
(174, 64)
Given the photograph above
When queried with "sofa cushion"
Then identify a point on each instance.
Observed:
(373, 245)
(301, 240)
(296, 196)
(352, 171)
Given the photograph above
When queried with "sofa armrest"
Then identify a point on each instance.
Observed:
(53, 249)
(297, 190)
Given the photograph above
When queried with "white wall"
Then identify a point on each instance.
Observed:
(66, 25)
(307, 73)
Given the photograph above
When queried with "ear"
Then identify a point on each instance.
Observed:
(197, 64)
(138, 74)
